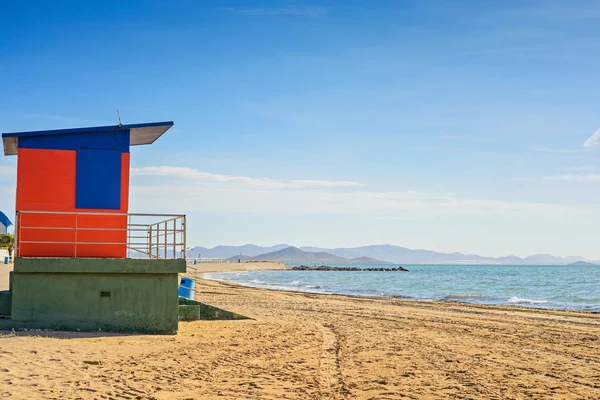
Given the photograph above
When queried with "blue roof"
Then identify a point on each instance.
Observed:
(139, 134)
(4, 220)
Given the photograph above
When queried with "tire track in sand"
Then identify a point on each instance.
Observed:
(331, 382)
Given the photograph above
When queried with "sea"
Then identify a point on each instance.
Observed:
(542, 286)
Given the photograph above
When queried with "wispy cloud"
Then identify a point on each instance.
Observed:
(593, 140)
(192, 190)
(196, 176)
(582, 168)
(555, 150)
(305, 11)
(209, 199)
(574, 177)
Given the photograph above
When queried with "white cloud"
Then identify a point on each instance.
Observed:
(191, 190)
(324, 184)
(178, 198)
(574, 177)
(593, 140)
(197, 176)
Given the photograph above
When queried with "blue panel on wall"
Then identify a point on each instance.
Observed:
(98, 179)
(97, 140)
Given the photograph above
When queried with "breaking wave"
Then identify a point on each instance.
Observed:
(518, 300)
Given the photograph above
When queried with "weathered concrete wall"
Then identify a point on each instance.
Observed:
(5, 302)
(98, 265)
(96, 294)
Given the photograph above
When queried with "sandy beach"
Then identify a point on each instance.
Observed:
(233, 267)
(315, 346)
(4, 275)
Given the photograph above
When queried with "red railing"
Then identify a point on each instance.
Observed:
(99, 234)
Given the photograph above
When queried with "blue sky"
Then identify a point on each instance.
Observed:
(454, 126)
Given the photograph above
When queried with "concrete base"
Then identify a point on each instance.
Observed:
(190, 310)
(122, 295)
(5, 302)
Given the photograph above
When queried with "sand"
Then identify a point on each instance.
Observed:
(232, 267)
(4, 275)
(312, 346)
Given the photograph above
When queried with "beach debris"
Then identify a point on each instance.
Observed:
(332, 268)
(92, 362)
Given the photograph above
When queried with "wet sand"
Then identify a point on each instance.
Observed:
(315, 346)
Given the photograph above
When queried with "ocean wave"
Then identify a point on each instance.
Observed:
(518, 300)
(545, 286)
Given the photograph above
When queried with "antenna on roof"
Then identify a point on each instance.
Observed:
(119, 116)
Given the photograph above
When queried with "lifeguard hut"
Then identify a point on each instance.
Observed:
(82, 261)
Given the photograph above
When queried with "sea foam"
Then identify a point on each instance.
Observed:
(518, 300)
(462, 296)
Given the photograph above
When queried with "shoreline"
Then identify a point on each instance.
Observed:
(461, 307)
(407, 299)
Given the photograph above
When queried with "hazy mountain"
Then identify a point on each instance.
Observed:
(389, 253)
(402, 255)
(543, 259)
(510, 259)
(397, 254)
(239, 257)
(250, 250)
(583, 263)
(295, 255)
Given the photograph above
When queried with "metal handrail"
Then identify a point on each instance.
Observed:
(207, 260)
(162, 239)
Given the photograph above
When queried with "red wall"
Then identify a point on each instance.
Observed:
(46, 182)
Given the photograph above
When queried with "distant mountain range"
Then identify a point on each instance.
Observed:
(230, 251)
(583, 264)
(374, 253)
(294, 255)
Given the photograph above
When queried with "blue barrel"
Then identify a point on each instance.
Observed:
(5, 260)
(195, 261)
(187, 288)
